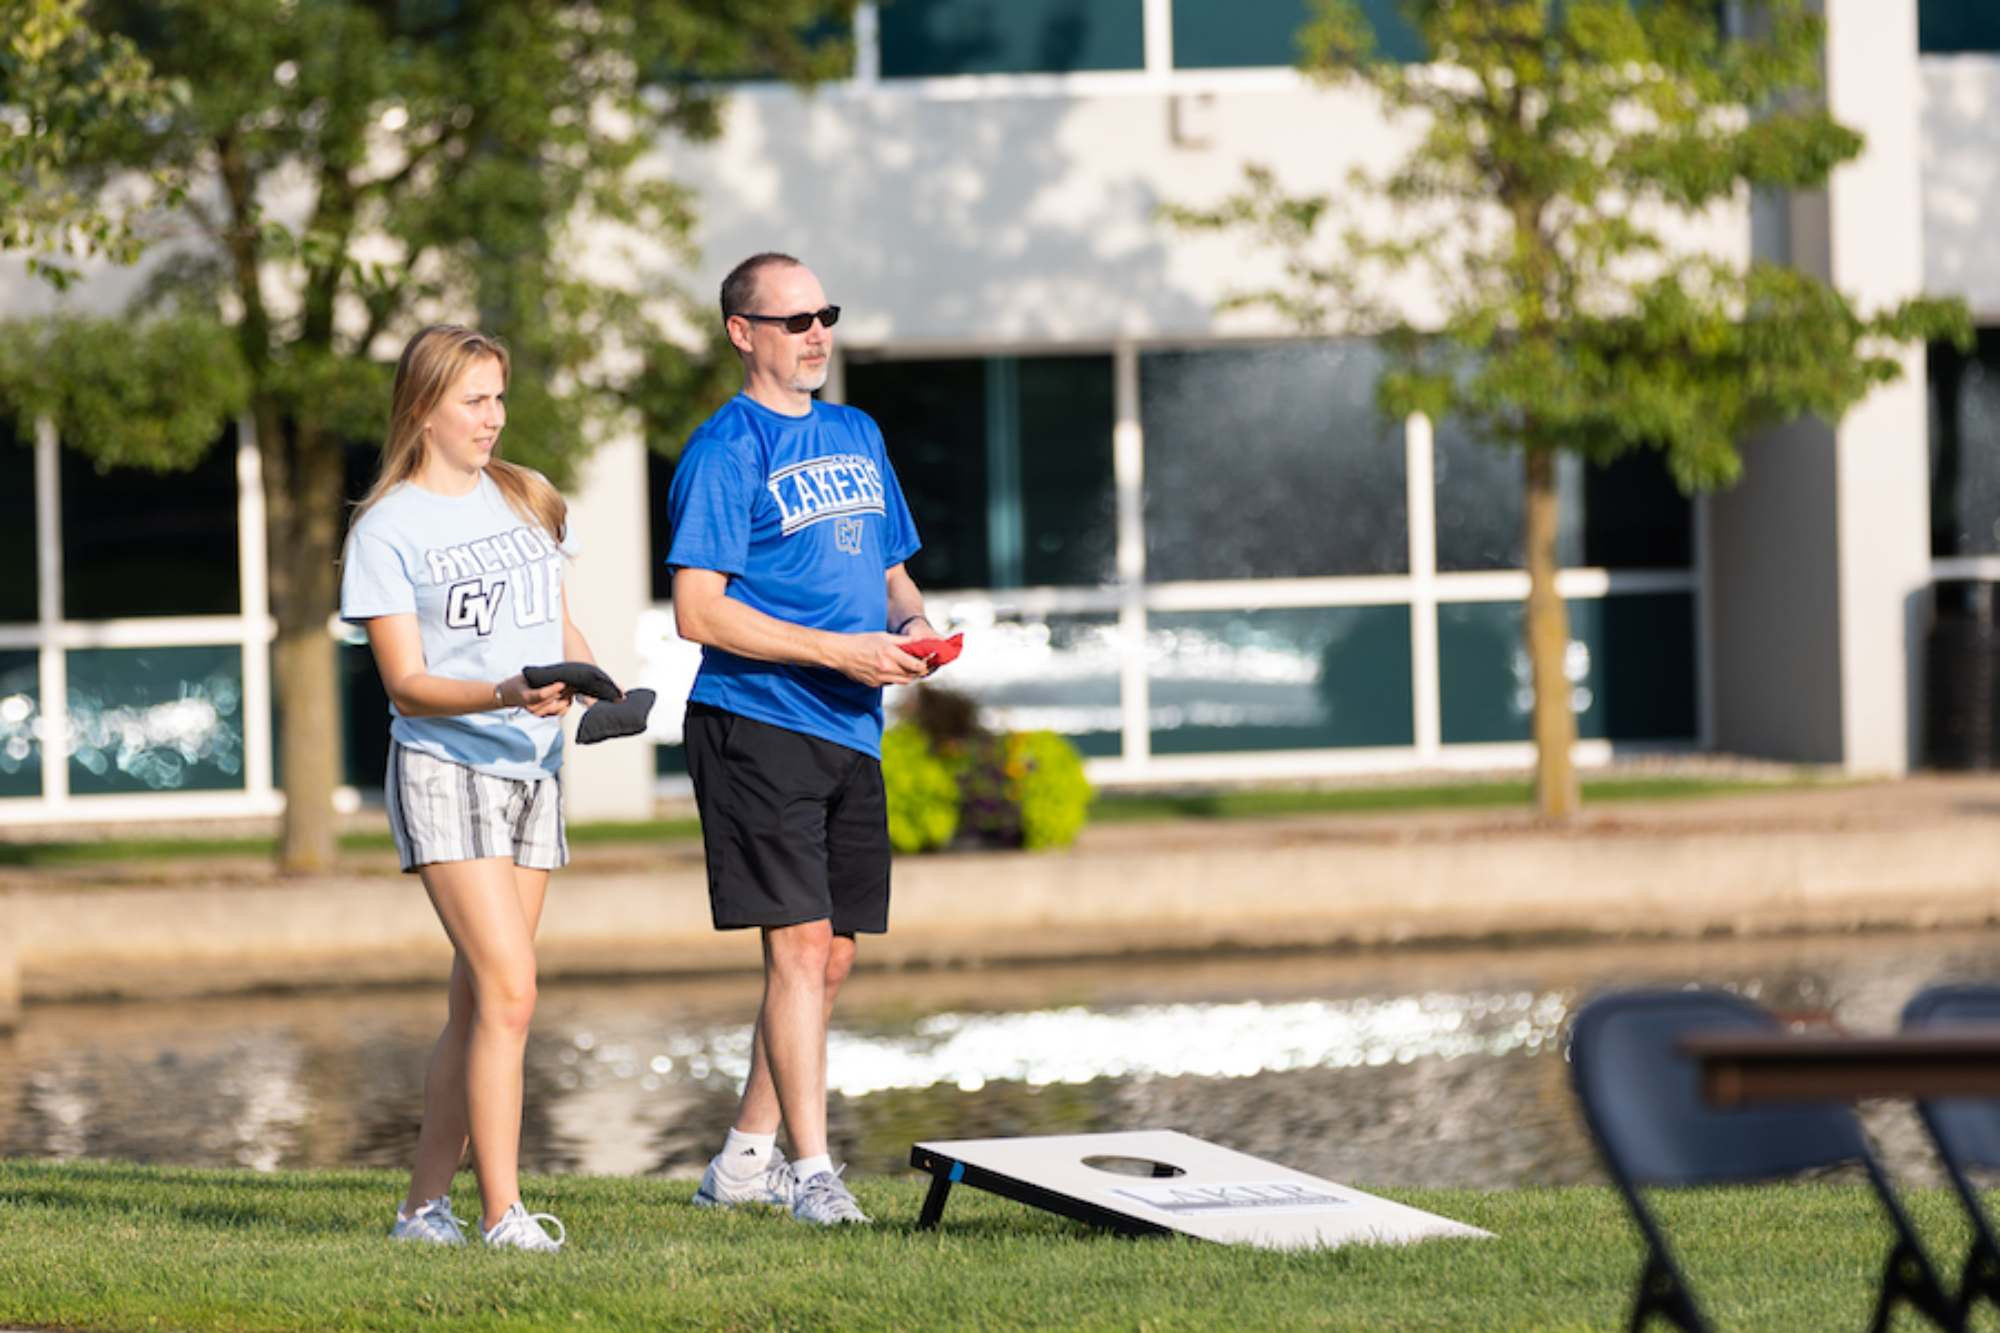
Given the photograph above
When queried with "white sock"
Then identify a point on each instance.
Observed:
(746, 1155)
(808, 1167)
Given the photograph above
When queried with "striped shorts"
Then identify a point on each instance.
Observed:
(441, 811)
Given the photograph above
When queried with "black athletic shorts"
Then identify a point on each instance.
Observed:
(796, 828)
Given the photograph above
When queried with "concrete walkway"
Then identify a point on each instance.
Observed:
(1924, 852)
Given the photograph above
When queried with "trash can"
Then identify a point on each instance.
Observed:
(1962, 676)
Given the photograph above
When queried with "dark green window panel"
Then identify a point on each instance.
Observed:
(1627, 515)
(660, 533)
(932, 37)
(20, 714)
(156, 719)
(139, 543)
(1632, 669)
(1056, 673)
(1279, 680)
(933, 418)
(1069, 500)
(763, 64)
(17, 523)
(364, 718)
(1271, 461)
(670, 761)
(1945, 27)
(1233, 34)
(1965, 447)
(1005, 462)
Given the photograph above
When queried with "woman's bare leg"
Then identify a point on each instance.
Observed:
(489, 909)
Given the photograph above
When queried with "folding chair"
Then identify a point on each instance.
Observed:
(1966, 1132)
(1641, 1098)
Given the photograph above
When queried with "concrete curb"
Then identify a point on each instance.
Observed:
(1270, 884)
(10, 959)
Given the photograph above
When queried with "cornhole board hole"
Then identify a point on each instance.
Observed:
(1158, 1182)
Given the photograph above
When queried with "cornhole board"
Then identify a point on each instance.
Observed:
(1159, 1182)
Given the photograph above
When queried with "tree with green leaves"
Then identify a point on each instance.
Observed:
(68, 92)
(1555, 142)
(359, 168)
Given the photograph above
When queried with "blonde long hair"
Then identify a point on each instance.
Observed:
(431, 363)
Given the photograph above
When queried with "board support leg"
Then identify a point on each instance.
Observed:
(934, 1202)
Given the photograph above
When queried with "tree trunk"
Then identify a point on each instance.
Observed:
(302, 493)
(1556, 795)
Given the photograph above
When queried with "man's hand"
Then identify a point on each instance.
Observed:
(877, 659)
(936, 652)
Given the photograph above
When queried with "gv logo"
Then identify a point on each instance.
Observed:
(847, 535)
(470, 605)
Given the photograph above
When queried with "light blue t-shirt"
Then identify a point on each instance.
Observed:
(805, 516)
(486, 587)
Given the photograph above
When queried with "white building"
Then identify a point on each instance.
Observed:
(1183, 538)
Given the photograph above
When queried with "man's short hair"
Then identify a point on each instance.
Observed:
(739, 289)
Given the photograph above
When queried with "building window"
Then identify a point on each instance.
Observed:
(18, 591)
(938, 37)
(1625, 515)
(659, 484)
(156, 719)
(1965, 447)
(1005, 462)
(1270, 461)
(364, 712)
(1229, 34)
(1057, 672)
(1631, 669)
(933, 416)
(1279, 680)
(20, 723)
(139, 543)
(1947, 27)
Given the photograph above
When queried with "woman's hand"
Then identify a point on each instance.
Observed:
(550, 700)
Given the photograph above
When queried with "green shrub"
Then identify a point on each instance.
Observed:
(1045, 779)
(922, 791)
(1016, 789)
(987, 813)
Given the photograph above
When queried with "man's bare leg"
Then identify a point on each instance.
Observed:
(804, 967)
(760, 1111)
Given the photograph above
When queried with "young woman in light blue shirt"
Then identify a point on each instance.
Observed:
(454, 564)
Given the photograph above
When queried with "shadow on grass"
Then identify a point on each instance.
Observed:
(227, 1218)
(1027, 1222)
(89, 1175)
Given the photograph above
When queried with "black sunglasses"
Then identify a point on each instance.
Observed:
(828, 316)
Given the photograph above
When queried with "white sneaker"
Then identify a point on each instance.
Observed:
(432, 1224)
(775, 1185)
(825, 1202)
(518, 1229)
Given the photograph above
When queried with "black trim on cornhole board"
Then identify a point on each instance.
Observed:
(947, 1171)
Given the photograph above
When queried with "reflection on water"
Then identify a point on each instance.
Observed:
(1422, 1068)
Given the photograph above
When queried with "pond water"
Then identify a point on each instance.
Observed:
(1414, 1068)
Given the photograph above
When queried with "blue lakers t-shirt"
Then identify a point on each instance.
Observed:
(805, 516)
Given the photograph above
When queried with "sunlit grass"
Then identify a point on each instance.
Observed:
(1411, 799)
(124, 1247)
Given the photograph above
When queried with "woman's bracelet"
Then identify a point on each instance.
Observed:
(907, 622)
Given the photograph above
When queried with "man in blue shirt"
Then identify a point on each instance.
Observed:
(789, 541)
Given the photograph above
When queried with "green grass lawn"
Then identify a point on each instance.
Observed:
(125, 1247)
(1436, 796)
(1108, 808)
(68, 853)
